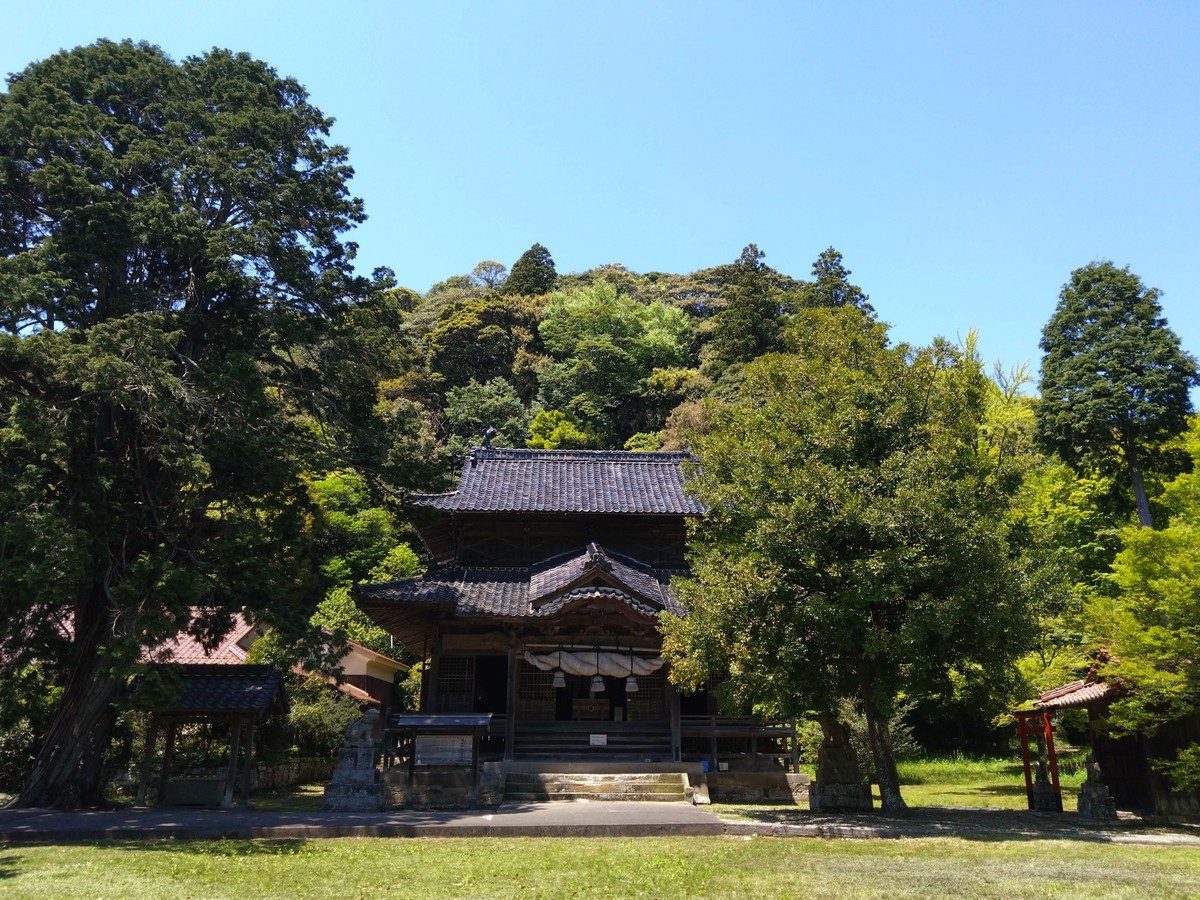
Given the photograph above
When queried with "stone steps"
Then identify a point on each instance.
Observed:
(544, 786)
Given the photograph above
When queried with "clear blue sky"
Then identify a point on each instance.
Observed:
(964, 157)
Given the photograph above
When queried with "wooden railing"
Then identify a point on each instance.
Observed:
(721, 739)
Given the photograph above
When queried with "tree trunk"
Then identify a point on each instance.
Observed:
(67, 773)
(1139, 489)
(881, 749)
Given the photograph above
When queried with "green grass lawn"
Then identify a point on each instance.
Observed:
(613, 867)
(982, 782)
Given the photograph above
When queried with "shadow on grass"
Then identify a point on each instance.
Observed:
(299, 798)
(223, 847)
(966, 823)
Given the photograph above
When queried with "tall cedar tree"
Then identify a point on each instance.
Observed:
(832, 286)
(856, 544)
(533, 273)
(748, 324)
(169, 260)
(1114, 378)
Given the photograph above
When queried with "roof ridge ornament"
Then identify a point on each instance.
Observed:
(597, 557)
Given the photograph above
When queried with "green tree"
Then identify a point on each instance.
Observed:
(479, 339)
(473, 408)
(1114, 378)
(1152, 625)
(856, 543)
(490, 274)
(339, 614)
(553, 429)
(606, 349)
(352, 534)
(749, 322)
(532, 274)
(832, 286)
(171, 264)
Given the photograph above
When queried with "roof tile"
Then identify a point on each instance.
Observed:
(569, 481)
(511, 592)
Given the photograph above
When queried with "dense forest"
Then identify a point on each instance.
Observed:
(204, 409)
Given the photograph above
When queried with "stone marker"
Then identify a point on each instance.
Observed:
(355, 785)
(1096, 804)
(839, 786)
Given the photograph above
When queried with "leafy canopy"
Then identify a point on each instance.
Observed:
(856, 544)
(172, 279)
(1114, 379)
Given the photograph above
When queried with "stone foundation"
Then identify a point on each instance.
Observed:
(757, 787)
(835, 796)
(442, 787)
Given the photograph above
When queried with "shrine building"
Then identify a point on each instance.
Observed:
(551, 571)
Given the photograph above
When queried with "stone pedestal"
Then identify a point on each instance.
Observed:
(839, 786)
(355, 785)
(1095, 802)
(1044, 798)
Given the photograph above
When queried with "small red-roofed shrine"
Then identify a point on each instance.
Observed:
(1036, 723)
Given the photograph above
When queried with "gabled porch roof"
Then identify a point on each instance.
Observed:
(411, 608)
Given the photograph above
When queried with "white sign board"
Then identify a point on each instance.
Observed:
(443, 750)
(599, 740)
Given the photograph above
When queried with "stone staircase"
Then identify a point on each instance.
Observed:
(663, 787)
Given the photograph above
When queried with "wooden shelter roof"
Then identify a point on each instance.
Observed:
(1076, 695)
(217, 690)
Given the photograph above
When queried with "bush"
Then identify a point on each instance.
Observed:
(319, 722)
(18, 748)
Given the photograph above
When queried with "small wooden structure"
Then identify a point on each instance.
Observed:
(1088, 693)
(440, 734)
(238, 695)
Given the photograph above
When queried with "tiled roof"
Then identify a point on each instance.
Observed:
(536, 591)
(554, 576)
(569, 481)
(209, 689)
(185, 648)
(1076, 695)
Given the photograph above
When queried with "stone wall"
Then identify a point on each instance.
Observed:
(266, 778)
(442, 787)
(756, 787)
(292, 772)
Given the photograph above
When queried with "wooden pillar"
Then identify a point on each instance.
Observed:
(795, 749)
(431, 687)
(673, 712)
(510, 701)
(248, 770)
(412, 771)
(712, 741)
(1048, 730)
(168, 756)
(147, 758)
(1023, 733)
(231, 771)
(473, 797)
